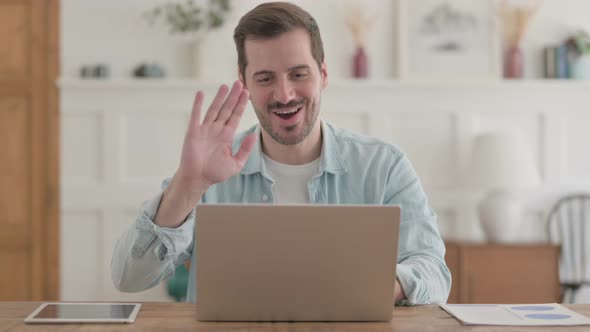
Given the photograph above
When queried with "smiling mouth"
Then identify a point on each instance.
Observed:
(287, 114)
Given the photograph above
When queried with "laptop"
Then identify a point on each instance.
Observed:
(296, 262)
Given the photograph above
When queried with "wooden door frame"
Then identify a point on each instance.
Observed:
(45, 215)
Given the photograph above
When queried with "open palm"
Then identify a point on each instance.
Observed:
(207, 156)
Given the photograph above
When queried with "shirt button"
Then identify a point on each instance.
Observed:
(265, 197)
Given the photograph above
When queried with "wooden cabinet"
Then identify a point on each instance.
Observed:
(494, 273)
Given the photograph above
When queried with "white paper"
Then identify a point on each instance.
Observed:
(547, 314)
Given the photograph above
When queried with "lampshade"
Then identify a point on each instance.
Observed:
(503, 160)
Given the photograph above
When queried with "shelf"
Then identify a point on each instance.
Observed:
(123, 83)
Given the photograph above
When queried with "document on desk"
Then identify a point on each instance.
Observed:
(549, 314)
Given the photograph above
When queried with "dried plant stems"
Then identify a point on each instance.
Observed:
(516, 19)
(359, 24)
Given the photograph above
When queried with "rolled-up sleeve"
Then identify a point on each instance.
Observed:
(146, 253)
(421, 268)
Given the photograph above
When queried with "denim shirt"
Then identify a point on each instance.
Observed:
(354, 169)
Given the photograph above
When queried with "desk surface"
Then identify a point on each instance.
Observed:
(181, 317)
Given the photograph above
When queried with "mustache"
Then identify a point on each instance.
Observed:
(291, 104)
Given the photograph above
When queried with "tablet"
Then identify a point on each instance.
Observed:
(84, 313)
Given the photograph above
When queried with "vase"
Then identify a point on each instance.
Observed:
(360, 64)
(501, 216)
(580, 69)
(513, 62)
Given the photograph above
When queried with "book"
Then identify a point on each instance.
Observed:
(561, 62)
(549, 62)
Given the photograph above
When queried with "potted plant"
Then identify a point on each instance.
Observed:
(580, 68)
(191, 20)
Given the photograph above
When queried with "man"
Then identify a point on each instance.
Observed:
(291, 157)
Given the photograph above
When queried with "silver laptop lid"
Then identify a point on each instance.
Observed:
(296, 262)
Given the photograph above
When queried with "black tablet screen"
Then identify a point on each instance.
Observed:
(86, 311)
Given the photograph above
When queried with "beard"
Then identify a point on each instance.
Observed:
(312, 111)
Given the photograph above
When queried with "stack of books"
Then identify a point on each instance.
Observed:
(557, 61)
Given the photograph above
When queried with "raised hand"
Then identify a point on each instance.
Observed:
(206, 156)
(207, 150)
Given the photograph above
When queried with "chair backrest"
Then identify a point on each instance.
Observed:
(568, 224)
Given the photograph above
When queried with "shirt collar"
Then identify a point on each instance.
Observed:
(331, 159)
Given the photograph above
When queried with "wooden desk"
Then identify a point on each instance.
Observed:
(181, 317)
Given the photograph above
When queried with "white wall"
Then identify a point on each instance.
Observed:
(111, 130)
(122, 137)
(115, 33)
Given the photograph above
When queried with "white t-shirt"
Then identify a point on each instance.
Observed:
(291, 181)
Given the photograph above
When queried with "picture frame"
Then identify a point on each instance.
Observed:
(448, 40)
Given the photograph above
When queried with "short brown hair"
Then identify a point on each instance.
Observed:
(272, 19)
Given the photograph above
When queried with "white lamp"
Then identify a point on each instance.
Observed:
(502, 163)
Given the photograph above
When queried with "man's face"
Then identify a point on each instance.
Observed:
(285, 85)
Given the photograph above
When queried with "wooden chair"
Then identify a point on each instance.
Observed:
(568, 225)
